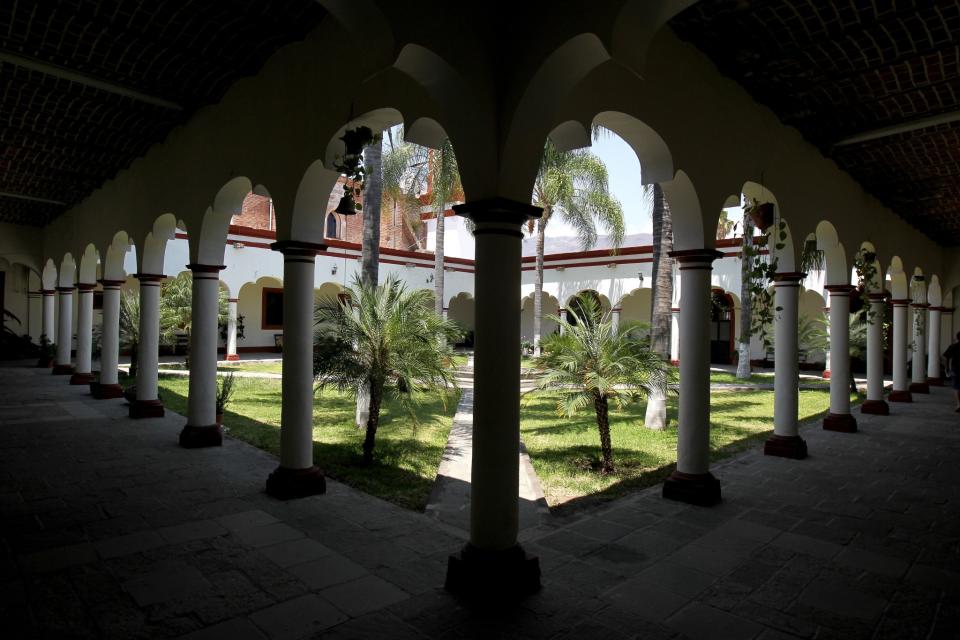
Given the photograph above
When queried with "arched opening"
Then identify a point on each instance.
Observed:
(722, 327)
(460, 310)
(577, 306)
(551, 307)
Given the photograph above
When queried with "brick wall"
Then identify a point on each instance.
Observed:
(394, 232)
(256, 213)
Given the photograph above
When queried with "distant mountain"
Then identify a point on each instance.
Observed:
(571, 244)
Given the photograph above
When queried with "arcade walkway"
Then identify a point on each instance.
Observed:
(111, 530)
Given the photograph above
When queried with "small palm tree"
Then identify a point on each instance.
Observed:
(572, 184)
(176, 308)
(130, 327)
(386, 339)
(593, 364)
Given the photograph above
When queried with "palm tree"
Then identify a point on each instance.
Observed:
(400, 160)
(746, 300)
(444, 187)
(130, 327)
(372, 201)
(662, 288)
(817, 338)
(574, 185)
(176, 308)
(389, 339)
(591, 364)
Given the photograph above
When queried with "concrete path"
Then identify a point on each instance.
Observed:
(109, 530)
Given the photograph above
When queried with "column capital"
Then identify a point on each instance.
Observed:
(65, 289)
(791, 277)
(877, 297)
(149, 277)
(111, 284)
(840, 289)
(84, 287)
(938, 308)
(919, 305)
(498, 210)
(617, 309)
(205, 268)
(695, 255)
(298, 249)
(900, 302)
(233, 299)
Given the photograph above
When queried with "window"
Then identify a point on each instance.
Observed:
(333, 228)
(272, 307)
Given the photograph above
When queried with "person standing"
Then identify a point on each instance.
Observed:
(952, 355)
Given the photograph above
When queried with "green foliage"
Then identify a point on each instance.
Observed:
(176, 307)
(225, 388)
(387, 339)
(813, 333)
(811, 258)
(130, 326)
(761, 269)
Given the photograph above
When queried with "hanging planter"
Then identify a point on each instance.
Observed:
(761, 214)
(350, 165)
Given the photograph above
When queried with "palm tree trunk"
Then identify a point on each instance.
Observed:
(134, 349)
(370, 249)
(603, 424)
(662, 293)
(438, 260)
(369, 440)
(538, 284)
(746, 302)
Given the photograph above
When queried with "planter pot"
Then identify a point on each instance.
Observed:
(220, 418)
(856, 301)
(762, 216)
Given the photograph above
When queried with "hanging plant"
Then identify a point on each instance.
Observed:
(761, 271)
(762, 214)
(812, 258)
(864, 264)
(350, 165)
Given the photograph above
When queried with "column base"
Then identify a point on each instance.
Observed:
(826, 374)
(701, 489)
(102, 391)
(146, 409)
(842, 422)
(793, 447)
(232, 357)
(493, 575)
(675, 363)
(62, 369)
(935, 382)
(81, 378)
(287, 484)
(198, 437)
(900, 396)
(919, 387)
(875, 408)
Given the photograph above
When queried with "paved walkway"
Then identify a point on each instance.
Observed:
(110, 530)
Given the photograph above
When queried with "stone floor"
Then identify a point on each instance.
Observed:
(110, 530)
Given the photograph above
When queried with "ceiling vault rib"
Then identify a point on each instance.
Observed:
(903, 127)
(21, 196)
(84, 79)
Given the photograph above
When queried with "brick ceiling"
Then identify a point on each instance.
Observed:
(145, 67)
(835, 69)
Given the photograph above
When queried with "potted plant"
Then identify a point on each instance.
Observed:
(760, 213)
(224, 394)
(47, 352)
(350, 165)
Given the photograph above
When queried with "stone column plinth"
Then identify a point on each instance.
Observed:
(202, 429)
(786, 441)
(82, 371)
(108, 386)
(297, 476)
(493, 564)
(901, 384)
(64, 340)
(147, 403)
(875, 404)
(692, 481)
(839, 418)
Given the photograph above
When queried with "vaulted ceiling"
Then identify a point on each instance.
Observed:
(875, 84)
(87, 86)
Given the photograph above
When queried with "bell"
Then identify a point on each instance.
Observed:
(347, 207)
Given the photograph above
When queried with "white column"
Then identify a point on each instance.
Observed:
(82, 372)
(839, 418)
(918, 379)
(147, 403)
(692, 481)
(615, 319)
(64, 340)
(675, 335)
(297, 476)
(202, 429)
(901, 384)
(786, 441)
(933, 346)
(875, 404)
(232, 329)
(493, 558)
(107, 386)
(563, 320)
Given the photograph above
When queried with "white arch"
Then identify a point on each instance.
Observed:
(88, 265)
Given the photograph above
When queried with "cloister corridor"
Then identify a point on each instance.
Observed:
(110, 530)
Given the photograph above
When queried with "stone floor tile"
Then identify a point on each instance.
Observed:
(246, 519)
(293, 552)
(58, 558)
(265, 535)
(706, 623)
(196, 530)
(676, 578)
(716, 563)
(236, 629)
(640, 598)
(130, 543)
(298, 618)
(843, 601)
(364, 595)
(873, 562)
(327, 571)
(805, 544)
(600, 529)
(165, 583)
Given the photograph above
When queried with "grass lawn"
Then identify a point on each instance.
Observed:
(257, 367)
(565, 451)
(725, 377)
(407, 455)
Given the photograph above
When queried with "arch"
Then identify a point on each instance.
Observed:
(88, 265)
(155, 245)
(307, 221)
(656, 161)
(934, 292)
(636, 306)
(723, 326)
(897, 279)
(252, 304)
(68, 271)
(550, 307)
(333, 226)
(460, 309)
(48, 279)
(688, 227)
(207, 247)
(834, 255)
(113, 266)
